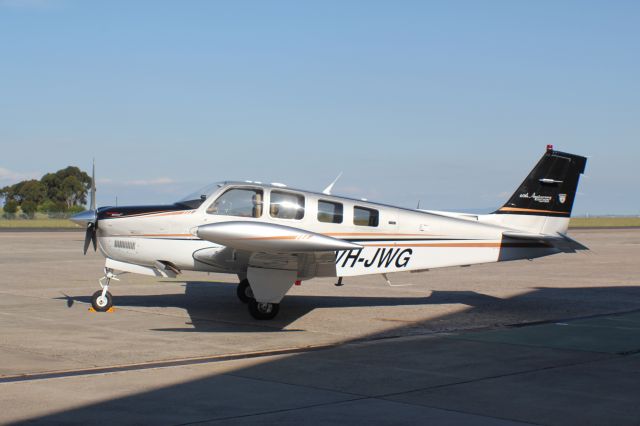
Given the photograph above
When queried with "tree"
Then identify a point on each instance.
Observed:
(72, 190)
(33, 191)
(10, 209)
(56, 192)
(13, 192)
(54, 208)
(80, 188)
(29, 208)
(4, 192)
(51, 182)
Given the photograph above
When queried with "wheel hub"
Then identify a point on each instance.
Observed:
(265, 308)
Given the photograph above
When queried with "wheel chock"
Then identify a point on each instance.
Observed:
(110, 310)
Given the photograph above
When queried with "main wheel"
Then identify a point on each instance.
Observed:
(101, 304)
(244, 292)
(263, 311)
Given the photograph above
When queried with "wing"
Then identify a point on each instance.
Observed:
(277, 255)
(270, 238)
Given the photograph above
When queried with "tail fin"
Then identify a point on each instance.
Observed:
(544, 200)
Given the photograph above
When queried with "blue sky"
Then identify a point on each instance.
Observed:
(447, 102)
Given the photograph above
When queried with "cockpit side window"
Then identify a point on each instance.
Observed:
(286, 205)
(242, 202)
(363, 216)
(329, 212)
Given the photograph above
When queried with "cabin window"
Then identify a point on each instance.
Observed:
(363, 216)
(285, 205)
(243, 202)
(329, 212)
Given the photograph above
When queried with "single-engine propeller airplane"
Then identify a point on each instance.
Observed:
(272, 236)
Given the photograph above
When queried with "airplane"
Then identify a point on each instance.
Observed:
(272, 236)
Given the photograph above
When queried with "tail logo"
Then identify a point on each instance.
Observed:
(562, 198)
(538, 198)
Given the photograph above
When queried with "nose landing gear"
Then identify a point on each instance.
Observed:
(102, 300)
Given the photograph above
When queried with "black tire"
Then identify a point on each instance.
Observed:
(100, 305)
(263, 311)
(244, 292)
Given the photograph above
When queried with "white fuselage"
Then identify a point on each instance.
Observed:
(402, 240)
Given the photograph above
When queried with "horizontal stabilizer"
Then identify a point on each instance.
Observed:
(560, 241)
(269, 238)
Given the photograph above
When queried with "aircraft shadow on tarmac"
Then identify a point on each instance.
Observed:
(213, 306)
(461, 376)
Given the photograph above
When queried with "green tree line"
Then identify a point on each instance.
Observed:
(56, 194)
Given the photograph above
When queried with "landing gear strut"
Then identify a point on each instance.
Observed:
(244, 292)
(102, 300)
(258, 310)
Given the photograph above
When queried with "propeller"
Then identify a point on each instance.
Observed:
(90, 236)
(89, 217)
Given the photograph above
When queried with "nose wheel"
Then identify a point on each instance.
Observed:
(101, 302)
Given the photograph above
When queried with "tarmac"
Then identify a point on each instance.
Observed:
(555, 341)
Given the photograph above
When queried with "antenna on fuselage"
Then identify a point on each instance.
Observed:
(328, 189)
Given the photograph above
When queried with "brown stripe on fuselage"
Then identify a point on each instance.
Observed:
(277, 237)
(520, 209)
(158, 214)
(461, 245)
(373, 234)
(153, 235)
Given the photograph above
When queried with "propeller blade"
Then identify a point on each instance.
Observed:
(87, 238)
(94, 238)
(90, 237)
(89, 217)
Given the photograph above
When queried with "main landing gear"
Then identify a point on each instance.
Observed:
(102, 300)
(244, 292)
(258, 310)
(263, 311)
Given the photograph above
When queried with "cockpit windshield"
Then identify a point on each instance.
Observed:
(195, 199)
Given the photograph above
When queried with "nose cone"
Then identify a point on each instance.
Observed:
(85, 217)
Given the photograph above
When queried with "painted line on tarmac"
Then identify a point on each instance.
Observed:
(18, 230)
(160, 364)
(260, 354)
(592, 228)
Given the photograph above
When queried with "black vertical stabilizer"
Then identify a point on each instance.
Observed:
(550, 188)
